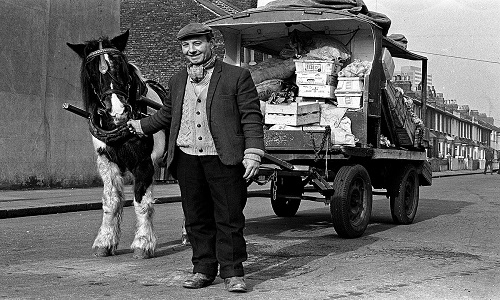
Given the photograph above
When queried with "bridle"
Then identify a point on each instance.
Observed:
(103, 70)
(120, 133)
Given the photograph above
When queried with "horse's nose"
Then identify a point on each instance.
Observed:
(122, 116)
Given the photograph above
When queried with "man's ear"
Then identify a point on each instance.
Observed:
(120, 41)
(78, 48)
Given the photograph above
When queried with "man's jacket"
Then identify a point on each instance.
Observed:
(233, 113)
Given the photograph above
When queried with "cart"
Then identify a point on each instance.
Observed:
(304, 164)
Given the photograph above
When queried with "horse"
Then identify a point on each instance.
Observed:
(112, 90)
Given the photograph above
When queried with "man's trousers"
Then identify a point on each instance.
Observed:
(213, 198)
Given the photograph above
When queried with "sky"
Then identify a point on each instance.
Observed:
(464, 39)
(460, 34)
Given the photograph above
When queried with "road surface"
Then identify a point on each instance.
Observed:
(451, 251)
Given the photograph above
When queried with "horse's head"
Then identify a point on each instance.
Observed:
(107, 79)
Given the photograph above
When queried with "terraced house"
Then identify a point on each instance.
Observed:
(459, 136)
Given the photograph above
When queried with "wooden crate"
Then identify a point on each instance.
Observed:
(321, 66)
(349, 100)
(316, 91)
(315, 78)
(350, 85)
(293, 114)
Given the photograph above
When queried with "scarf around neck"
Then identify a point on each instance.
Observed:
(198, 72)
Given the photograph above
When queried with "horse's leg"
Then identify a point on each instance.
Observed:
(108, 236)
(144, 243)
(184, 235)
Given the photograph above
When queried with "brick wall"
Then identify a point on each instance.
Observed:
(153, 26)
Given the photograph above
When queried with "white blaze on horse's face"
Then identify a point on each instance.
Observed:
(118, 111)
(117, 107)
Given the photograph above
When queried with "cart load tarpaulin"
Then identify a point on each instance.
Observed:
(352, 6)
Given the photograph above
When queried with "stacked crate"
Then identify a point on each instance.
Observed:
(292, 114)
(316, 78)
(349, 92)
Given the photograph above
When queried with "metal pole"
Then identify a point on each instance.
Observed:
(424, 92)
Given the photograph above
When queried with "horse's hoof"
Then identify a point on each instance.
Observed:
(103, 252)
(142, 254)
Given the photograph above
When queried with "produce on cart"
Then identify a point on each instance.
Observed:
(335, 123)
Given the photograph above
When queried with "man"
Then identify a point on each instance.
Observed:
(489, 160)
(215, 144)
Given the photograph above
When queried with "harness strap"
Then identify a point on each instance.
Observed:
(113, 91)
(110, 137)
(102, 51)
(159, 89)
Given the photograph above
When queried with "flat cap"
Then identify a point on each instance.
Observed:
(193, 29)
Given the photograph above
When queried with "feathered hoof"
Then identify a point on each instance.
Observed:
(103, 252)
(143, 254)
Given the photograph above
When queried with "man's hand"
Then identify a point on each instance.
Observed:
(135, 127)
(251, 168)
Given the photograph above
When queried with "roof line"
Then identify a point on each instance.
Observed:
(220, 9)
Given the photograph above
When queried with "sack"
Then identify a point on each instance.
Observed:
(266, 88)
(326, 48)
(272, 68)
(357, 68)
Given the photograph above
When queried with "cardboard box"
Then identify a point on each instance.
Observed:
(350, 85)
(316, 78)
(293, 114)
(387, 64)
(316, 91)
(317, 66)
(349, 100)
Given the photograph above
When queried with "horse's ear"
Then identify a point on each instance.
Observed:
(78, 48)
(120, 41)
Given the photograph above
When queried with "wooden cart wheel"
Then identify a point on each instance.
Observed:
(351, 203)
(404, 196)
(285, 195)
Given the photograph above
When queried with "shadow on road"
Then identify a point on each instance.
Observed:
(284, 247)
(427, 209)
(162, 249)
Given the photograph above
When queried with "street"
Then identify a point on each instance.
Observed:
(451, 251)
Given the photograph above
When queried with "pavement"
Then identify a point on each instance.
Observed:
(23, 203)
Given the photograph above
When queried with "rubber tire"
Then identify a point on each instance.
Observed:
(351, 203)
(280, 188)
(404, 196)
